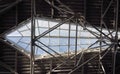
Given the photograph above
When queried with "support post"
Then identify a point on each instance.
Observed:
(76, 36)
(32, 36)
(116, 36)
(69, 40)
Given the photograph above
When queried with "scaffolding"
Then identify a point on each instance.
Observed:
(79, 19)
(112, 36)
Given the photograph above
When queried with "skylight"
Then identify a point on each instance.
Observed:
(58, 39)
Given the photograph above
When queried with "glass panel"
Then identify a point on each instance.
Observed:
(85, 34)
(84, 46)
(63, 41)
(72, 33)
(54, 33)
(72, 41)
(63, 49)
(54, 41)
(63, 32)
(37, 31)
(80, 28)
(55, 48)
(26, 33)
(23, 45)
(42, 23)
(72, 48)
(42, 30)
(28, 49)
(28, 25)
(84, 41)
(14, 33)
(39, 51)
(26, 39)
(51, 24)
(64, 26)
(23, 28)
(73, 27)
(15, 39)
(44, 41)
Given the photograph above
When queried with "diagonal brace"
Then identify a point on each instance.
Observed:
(54, 27)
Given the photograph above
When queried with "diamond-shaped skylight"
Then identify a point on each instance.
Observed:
(58, 39)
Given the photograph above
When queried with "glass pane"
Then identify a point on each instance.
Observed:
(54, 33)
(64, 26)
(72, 41)
(84, 41)
(72, 33)
(23, 28)
(84, 46)
(42, 23)
(14, 33)
(26, 33)
(26, 39)
(63, 41)
(42, 30)
(28, 49)
(55, 48)
(14, 39)
(73, 27)
(44, 41)
(23, 45)
(51, 24)
(54, 41)
(72, 48)
(63, 49)
(39, 51)
(37, 31)
(63, 32)
(28, 25)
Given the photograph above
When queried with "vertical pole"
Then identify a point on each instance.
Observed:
(51, 66)
(101, 22)
(52, 10)
(76, 41)
(32, 36)
(83, 71)
(15, 62)
(69, 40)
(16, 54)
(116, 35)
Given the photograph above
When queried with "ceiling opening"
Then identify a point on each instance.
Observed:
(61, 40)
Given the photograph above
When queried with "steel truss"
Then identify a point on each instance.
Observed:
(80, 20)
(8, 6)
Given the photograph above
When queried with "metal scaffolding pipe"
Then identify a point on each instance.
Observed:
(54, 27)
(9, 6)
(32, 36)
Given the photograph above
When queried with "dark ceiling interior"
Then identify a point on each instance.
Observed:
(12, 12)
(96, 12)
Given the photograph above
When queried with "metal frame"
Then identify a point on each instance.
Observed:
(8, 67)
(102, 35)
(80, 21)
(32, 36)
(9, 6)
